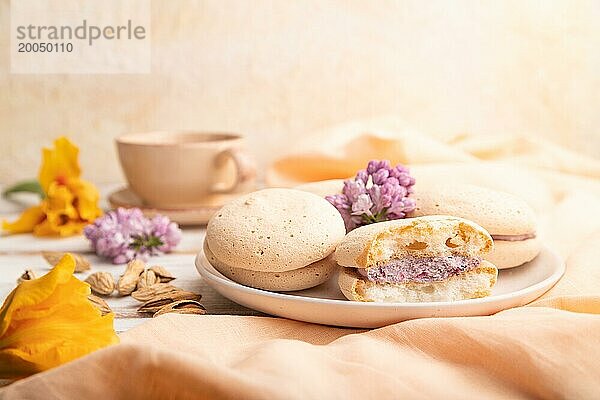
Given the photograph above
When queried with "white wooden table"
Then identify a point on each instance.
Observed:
(20, 252)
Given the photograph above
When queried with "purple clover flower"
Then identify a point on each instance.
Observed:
(124, 234)
(377, 193)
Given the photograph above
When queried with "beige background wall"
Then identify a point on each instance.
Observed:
(279, 69)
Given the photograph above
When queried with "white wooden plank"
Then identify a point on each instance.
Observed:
(191, 242)
(20, 252)
(181, 265)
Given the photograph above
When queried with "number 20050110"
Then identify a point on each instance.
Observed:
(26, 47)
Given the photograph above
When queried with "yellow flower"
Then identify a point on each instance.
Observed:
(48, 321)
(26, 222)
(60, 164)
(70, 204)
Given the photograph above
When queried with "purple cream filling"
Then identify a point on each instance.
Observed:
(514, 238)
(419, 269)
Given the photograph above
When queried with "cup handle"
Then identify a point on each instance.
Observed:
(245, 169)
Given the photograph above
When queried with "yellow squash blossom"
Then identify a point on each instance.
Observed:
(48, 321)
(70, 203)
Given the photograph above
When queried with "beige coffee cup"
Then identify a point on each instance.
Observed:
(185, 169)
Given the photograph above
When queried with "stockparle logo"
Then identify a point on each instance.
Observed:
(80, 36)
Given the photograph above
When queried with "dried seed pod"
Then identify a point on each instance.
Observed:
(53, 257)
(147, 293)
(100, 304)
(162, 273)
(26, 276)
(147, 279)
(158, 302)
(182, 307)
(128, 281)
(101, 283)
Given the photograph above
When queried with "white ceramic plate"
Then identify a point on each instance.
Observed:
(326, 305)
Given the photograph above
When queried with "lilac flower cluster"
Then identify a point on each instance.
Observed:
(124, 234)
(377, 193)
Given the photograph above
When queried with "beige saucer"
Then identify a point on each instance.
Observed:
(198, 215)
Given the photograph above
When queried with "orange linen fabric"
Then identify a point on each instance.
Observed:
(549, 349)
